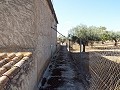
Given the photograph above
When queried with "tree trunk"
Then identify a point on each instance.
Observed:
(86, 44)
(115, 42)
(102, 42)
(83, 48)
(91, 43)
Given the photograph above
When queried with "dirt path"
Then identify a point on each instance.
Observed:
(61, 74)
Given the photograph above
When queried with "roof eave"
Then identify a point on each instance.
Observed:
(52, 10)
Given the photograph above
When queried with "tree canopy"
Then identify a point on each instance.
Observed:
(92, 33)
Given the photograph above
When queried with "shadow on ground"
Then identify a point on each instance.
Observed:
(81, 62)
(61, 73)
(71, 71)
(103, 67)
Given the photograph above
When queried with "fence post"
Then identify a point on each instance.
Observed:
(80, 48)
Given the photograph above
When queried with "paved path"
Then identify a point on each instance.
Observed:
(61, 74)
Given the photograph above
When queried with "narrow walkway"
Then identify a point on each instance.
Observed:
(61, 74)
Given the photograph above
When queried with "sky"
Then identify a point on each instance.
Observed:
(71, 13)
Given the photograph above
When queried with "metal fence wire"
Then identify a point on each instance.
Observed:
(102, 62)
(104, 68)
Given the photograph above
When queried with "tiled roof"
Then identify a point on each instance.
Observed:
(10, 64)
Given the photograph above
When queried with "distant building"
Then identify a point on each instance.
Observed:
(25, 27)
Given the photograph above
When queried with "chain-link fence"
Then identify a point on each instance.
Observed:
(105, 70)
(103, 65)
(105, 74)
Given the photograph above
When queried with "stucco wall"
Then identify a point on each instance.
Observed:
(26, 24)
(46, 40)
(17, 23)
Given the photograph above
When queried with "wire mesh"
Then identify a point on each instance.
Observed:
(104, 65)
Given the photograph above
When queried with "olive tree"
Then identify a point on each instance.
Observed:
(85, 34)
(114, 36)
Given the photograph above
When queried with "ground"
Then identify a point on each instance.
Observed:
(72, 70)
(101, 65)
(62, 74)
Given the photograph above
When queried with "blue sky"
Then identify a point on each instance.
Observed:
(71, 13)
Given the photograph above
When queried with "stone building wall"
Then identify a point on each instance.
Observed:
(25, 25)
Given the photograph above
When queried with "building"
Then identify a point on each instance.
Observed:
(27, 39)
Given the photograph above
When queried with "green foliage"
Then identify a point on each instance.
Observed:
(87, 34)
(92, 33)
(114, 35)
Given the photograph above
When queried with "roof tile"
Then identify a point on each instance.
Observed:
(3, 81)
(11, 72)
(3, 55)
(2, 70)
(27, 54)
(19, 55)
(16, 59)
(21, 62)
(11, 55)
(3, 62)
(10, 64)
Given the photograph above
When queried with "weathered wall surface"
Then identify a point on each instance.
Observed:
(27, 24)
(17, 23)
(46, 38)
